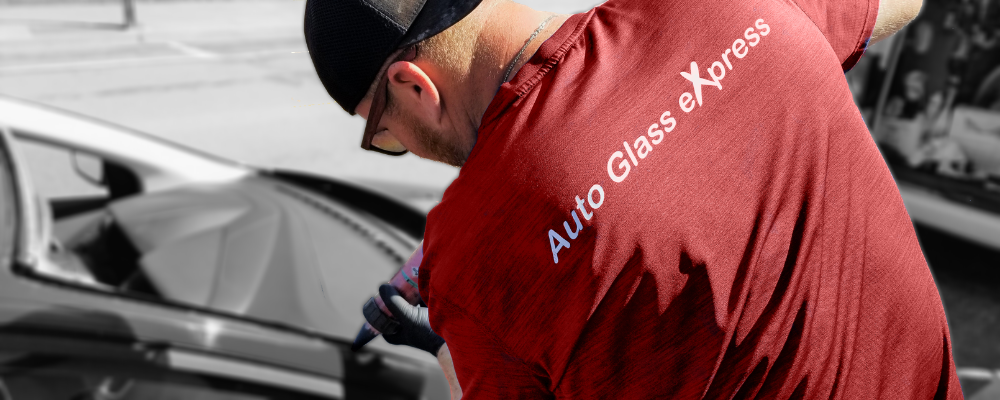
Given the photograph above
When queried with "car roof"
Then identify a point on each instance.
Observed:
(163, 164)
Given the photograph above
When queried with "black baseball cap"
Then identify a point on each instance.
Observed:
(349, 40)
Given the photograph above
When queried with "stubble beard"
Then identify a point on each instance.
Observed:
(431, 141)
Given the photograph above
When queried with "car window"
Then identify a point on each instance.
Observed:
(58, 172)
(75, 188)
(8, 202)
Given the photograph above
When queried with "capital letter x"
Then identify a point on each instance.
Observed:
(696, 80)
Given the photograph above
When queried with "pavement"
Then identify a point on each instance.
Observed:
(165, 19)
(33, 35)
(229, 77)
(54, 29)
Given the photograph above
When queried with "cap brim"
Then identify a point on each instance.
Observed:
(436, 16)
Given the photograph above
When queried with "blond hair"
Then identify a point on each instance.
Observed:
(450, 50)
(453, 48)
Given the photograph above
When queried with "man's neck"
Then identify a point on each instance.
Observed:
(508, 28)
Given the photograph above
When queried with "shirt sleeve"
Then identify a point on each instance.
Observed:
(847, 25)
(485, 369)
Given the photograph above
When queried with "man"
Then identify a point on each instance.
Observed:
(657, 199)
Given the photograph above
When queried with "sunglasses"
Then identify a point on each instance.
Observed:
(381, 140)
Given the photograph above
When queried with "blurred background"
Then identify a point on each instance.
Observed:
(233, 78)
(931, 98)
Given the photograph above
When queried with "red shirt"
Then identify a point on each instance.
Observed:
(680, 199)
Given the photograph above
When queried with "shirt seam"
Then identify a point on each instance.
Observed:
(554, 59)
(490, 118)
(796, 4)
(864, 27)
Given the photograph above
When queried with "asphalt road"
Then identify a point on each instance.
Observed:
(255, 101)
(243, 88)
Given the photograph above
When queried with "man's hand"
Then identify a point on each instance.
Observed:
(414, 325)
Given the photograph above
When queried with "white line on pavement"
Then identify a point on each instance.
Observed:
(191, 50)
(91, 63)
(125, 62)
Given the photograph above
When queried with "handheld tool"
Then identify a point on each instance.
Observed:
(378, 316)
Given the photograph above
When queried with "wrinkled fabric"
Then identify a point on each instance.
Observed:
(679, 199)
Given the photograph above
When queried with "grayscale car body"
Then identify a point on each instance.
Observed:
(177, 274)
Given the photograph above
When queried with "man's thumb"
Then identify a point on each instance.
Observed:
(395, 302)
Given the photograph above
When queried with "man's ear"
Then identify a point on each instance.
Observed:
(413, 89)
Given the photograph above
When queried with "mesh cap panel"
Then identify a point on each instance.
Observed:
(349, 40)
(403, 12)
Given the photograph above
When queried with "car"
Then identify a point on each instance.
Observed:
(135, 268)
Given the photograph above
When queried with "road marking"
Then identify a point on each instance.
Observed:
(191, 50)
(15, 32)
(313, 104)
(135, 61)
(91, 63)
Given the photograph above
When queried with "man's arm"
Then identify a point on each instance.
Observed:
(444, 358)
(893, 15)
(415, 331)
